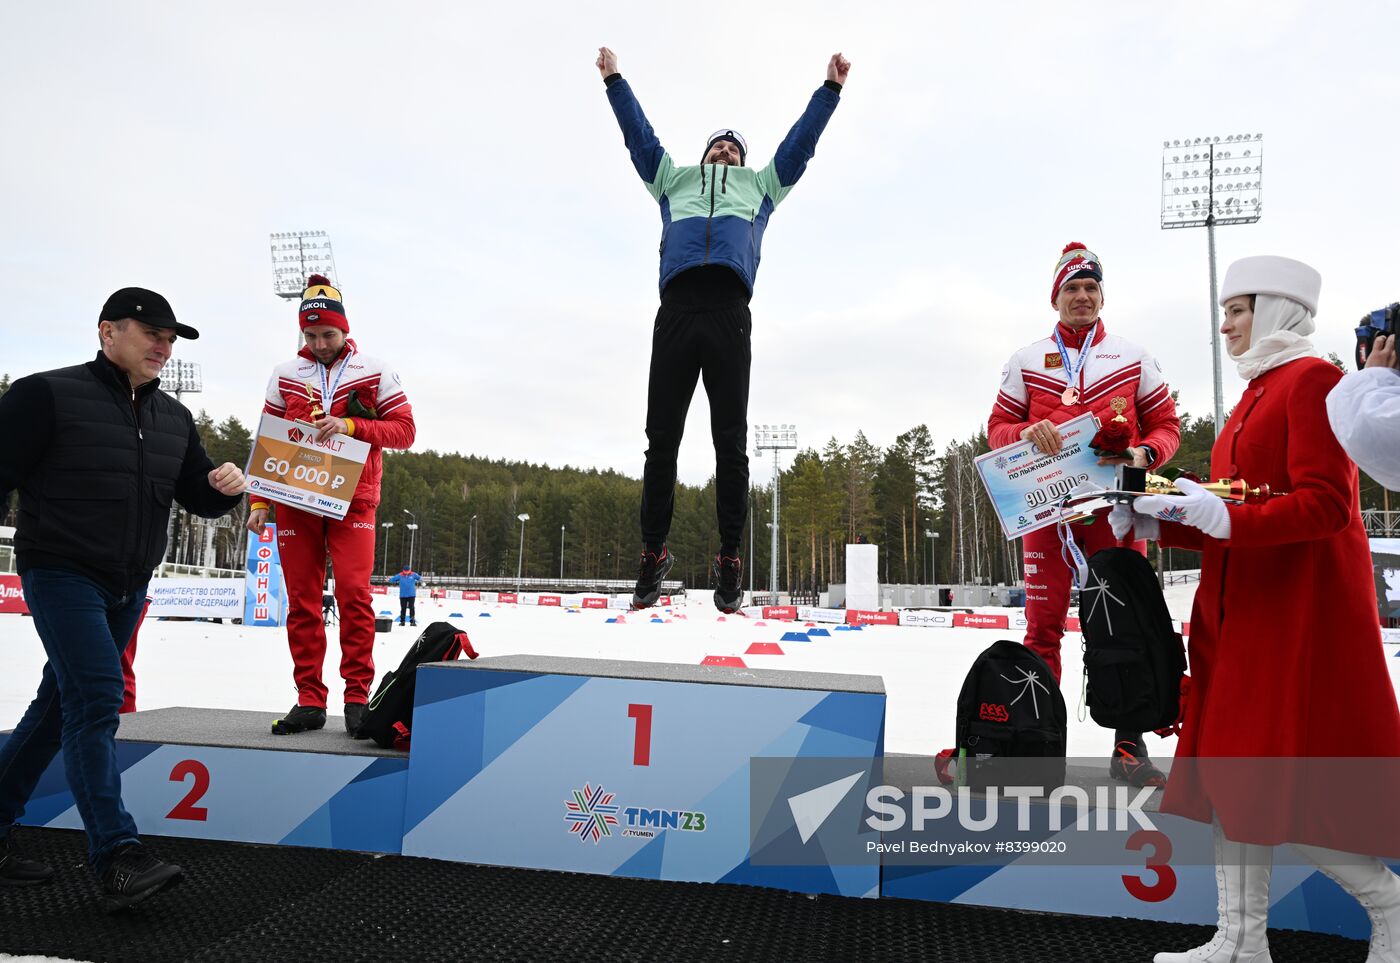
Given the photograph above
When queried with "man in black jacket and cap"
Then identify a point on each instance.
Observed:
(97, 453)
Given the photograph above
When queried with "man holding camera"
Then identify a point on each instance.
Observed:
(1081, 368)
(1364, 409)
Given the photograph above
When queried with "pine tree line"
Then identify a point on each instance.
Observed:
(925, 509)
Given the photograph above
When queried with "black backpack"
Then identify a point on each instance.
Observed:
(1133, 659)
(389, 721)
(1011, 721)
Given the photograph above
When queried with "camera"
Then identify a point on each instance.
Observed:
(1380, 321)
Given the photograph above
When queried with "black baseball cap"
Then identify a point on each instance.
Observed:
(146, 307)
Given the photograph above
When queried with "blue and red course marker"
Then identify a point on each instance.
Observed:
(795, 637)
(764, 648)
(733, 660)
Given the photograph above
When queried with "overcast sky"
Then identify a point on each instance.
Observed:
(494, 244)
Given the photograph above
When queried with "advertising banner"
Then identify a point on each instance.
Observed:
(971, 621)
(12, 595)
(262, 586)
(1385, 566)
(864, 617)
(941, 620)
(196, 598)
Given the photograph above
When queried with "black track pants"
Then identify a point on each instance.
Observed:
(688, 342)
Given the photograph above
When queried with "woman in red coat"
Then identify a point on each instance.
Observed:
(1287, 670)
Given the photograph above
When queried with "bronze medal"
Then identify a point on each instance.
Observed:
(1070, 396)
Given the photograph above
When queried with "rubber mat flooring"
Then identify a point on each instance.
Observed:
(273, 903)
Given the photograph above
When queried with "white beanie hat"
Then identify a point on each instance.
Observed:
(1269, 274)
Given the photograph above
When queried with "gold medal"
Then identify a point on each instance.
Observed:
(1070, 396)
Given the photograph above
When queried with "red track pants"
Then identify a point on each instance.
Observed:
(304, 541)
(129, 664)
(1048, 580)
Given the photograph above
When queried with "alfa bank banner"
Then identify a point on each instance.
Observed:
(12, 595)
(971, 621)
(871, 617)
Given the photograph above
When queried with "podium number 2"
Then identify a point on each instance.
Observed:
(186, 808)
(1165, 884)
(641, 742)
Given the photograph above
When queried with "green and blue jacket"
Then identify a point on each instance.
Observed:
(715, 213)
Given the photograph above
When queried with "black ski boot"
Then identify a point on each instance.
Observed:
(354, 716)
(650, 571)
(1130, 763)
(133, 875)
(300, 719)
(730, 572)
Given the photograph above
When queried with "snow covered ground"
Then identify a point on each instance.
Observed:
(233, 667)
(230, 666)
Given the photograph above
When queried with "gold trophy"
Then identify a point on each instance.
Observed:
(1235, 490)
(314, 396)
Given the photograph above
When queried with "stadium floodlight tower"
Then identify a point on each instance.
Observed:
(774, 438)
(179, 377)
(1208, 181)
(295, 256)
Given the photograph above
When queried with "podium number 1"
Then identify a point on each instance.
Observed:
(641, 742)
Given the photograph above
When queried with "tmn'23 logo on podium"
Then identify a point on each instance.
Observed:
(592, 813)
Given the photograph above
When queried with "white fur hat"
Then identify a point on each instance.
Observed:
(1269, 274)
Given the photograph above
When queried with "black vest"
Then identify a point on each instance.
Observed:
(99, 500)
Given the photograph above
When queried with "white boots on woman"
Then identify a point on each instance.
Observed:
(1371, 883)
(1242, 872)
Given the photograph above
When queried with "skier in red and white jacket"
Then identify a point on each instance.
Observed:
(1057, 379)
(341, 391)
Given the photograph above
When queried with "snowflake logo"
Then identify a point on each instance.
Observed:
(1029, 682)
(1000, 461)
(591, 813)
(1100, 592)
(1173, 514)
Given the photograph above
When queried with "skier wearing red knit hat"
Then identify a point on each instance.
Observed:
(1081, 368)
(341, 391)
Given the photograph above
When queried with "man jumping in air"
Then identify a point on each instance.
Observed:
(712, 220)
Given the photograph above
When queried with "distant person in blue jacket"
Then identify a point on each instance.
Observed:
(713, 215)
(407, 581)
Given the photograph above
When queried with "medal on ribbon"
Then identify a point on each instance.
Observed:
(1070, 396)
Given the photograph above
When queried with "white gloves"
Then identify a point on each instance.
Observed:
(1197, 508)
(1122, 520)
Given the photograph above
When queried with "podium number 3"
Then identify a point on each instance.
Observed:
(641, 742)
(1158, 862)
(186, 808)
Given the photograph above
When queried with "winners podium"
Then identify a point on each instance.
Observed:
(608, 767)
(655, 771)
